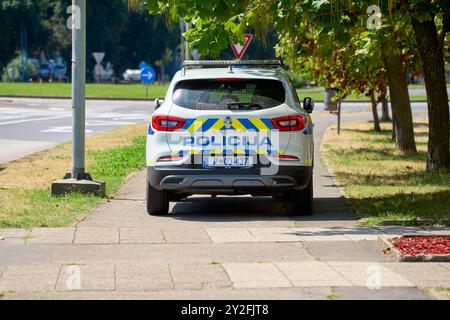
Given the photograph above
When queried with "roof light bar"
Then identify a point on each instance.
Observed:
(227, 63)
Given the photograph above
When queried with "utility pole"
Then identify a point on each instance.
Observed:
(78, 180)
(185, 53)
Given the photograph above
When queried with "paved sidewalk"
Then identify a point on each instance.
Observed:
(224, 248)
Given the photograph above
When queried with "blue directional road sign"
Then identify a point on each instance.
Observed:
(148, 75)
(142, 65)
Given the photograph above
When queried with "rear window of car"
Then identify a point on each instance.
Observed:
(221, 94)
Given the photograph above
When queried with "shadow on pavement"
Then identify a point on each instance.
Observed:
(255, 209)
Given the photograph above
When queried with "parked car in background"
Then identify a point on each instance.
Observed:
(59, 72)
(131, 75)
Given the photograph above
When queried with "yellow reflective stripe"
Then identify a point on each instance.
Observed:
(149, 162)
(196, 125)
(218, 125)
(239, 126)
(259, 124)
(265, 152)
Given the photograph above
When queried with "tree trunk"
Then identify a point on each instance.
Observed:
(401, 106)
(432, 57)
(394, 134)
(385, 108)
(376, 120)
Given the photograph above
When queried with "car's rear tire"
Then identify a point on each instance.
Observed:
(300, 203)
(157, 201)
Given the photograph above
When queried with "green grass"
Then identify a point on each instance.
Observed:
(318, 95)
(36, 208)
(122, 91)
(385, 184)
(445, 292)
(333, 296)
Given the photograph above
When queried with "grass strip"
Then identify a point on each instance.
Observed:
(93, 90)
(386, 185)
(25, 200)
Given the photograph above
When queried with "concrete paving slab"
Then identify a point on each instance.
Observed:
(97, 235)
(398, 231)
(213, 294)
(20, 254)
(385, 293)
(132, 189)
(13, 241)
(29, 278)
(312, 274)
(319, 234)
(422, 274)
(445, 265)
(186, 236)
(51, 236)
(183, 254)
(346, 251)
(143, 277)
(362, 234)
(230, 235)
(92, 277)
(198, 277)
(141, 235)
(370, 274)
(275, 235)
(126, 213)
(13, 233)
(256, 275)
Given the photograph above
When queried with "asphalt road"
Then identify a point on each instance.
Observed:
(31, 125)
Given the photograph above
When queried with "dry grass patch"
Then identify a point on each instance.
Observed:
(25, 200)
(40, 169)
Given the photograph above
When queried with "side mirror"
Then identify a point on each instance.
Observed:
(158, 103)
(308, 105)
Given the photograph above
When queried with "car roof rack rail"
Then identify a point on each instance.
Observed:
(199, 64)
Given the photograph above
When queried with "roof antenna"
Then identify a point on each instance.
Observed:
(230, 69)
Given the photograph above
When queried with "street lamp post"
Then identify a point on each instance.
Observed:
(78, 180)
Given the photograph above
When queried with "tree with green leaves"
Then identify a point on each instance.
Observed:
(320, 22)
(431, 23)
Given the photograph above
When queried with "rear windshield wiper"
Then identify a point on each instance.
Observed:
(243, 106)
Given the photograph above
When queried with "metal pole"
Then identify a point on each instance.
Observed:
(339, 116)
(78, 180)
(78, 92)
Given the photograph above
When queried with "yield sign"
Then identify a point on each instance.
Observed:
(238, 49)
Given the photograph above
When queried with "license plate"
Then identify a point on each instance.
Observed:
(228, 162)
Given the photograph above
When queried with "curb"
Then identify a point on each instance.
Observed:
(389, 248)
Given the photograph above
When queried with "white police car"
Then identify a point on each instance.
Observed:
(231, 128)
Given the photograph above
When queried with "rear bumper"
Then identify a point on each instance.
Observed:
(190, 180)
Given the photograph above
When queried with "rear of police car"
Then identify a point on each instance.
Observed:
(230, 127)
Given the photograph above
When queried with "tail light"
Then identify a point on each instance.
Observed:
(170, 158)
(282, 157)
(290, 123)
(167, 123)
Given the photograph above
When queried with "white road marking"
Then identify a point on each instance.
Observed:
(66, 129)
(32, 120)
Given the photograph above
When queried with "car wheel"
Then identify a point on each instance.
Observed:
(157, 201)
(300, 203)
